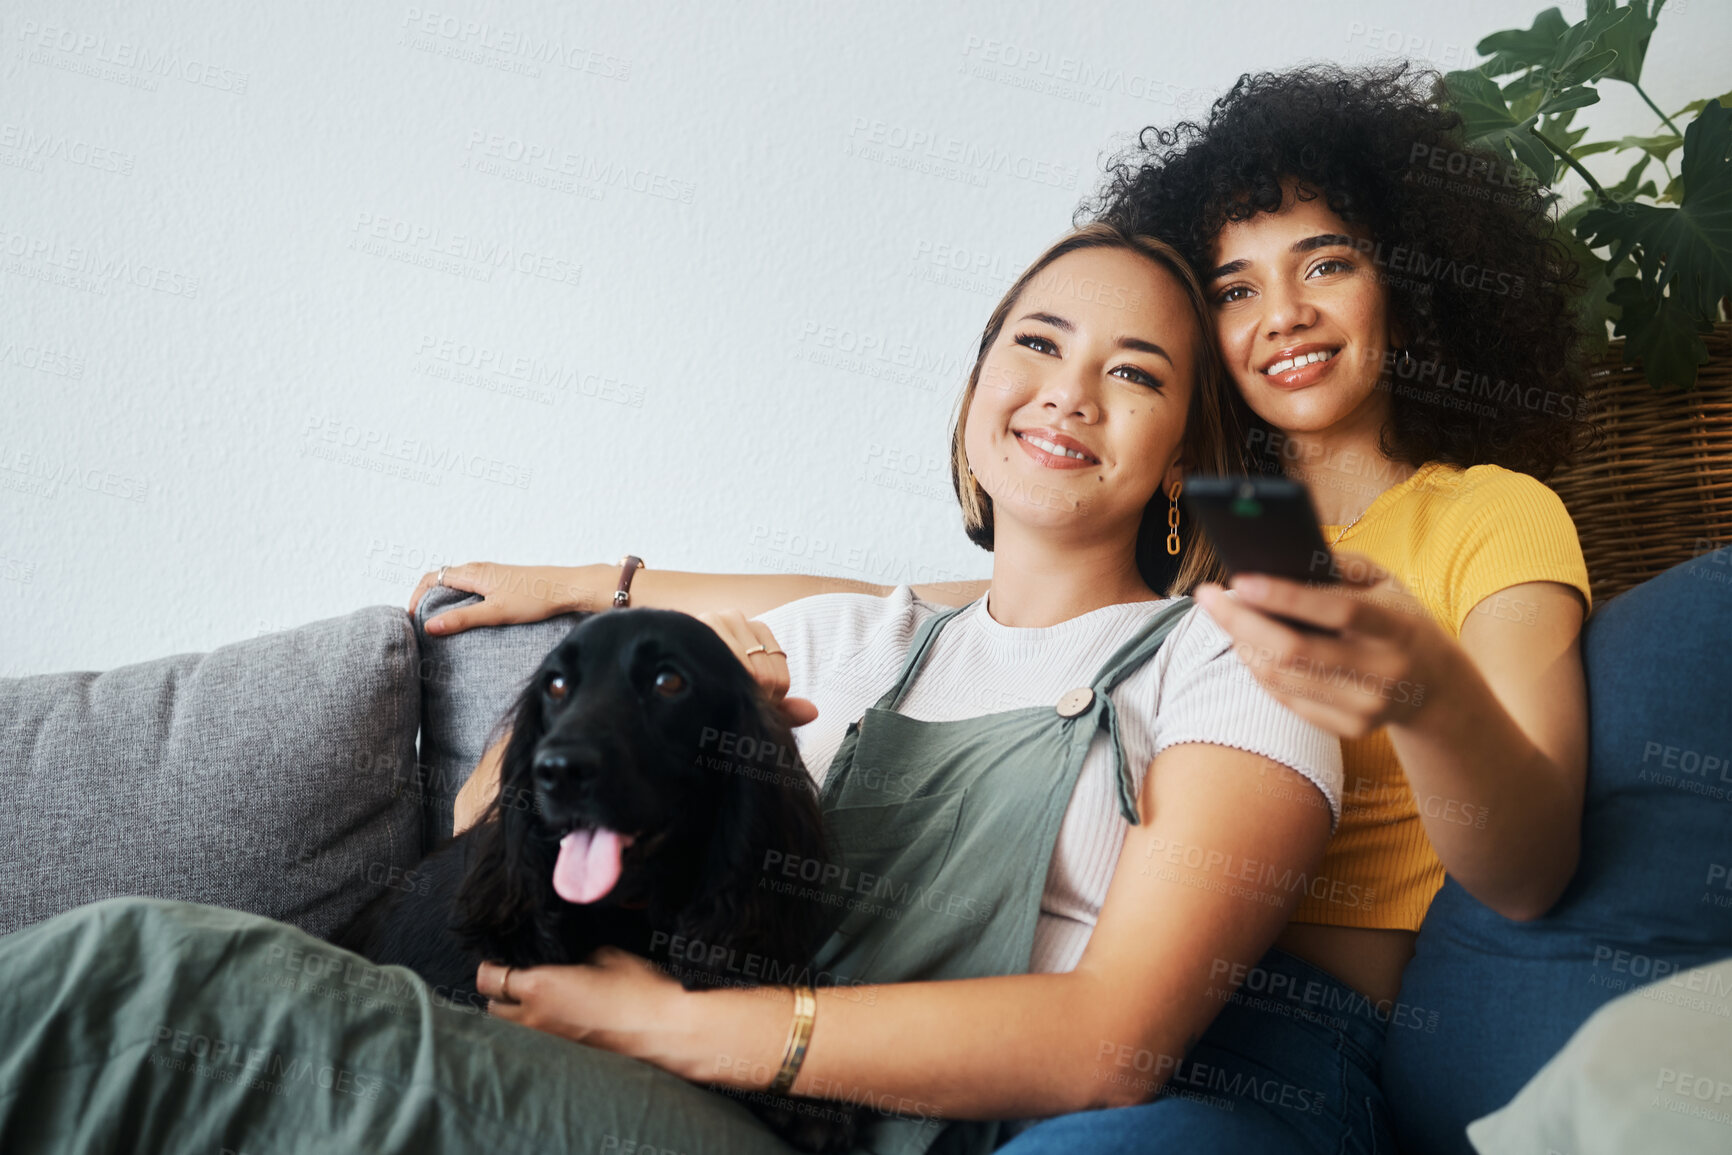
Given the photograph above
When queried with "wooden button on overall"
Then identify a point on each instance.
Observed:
(1075, 701)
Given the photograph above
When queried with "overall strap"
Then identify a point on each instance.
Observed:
(923, 638)
(1142, 645)
(1116, 669)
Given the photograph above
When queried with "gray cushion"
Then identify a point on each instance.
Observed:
(1649, 1071)
(263, 776)
(469, 680)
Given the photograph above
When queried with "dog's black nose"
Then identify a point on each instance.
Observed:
(550, 767)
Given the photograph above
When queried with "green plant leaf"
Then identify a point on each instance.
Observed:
(1488, 123)
(1572, 217)
(1593, 307)
(1524, 94)
(1686, 250)
(1597, 146)
(1589, 66)
(1593, 310)
(1659, 334)
(1556, 60)
(1486, 119)
(1629, 39)
(1698, 105)
(1581, 54)
(1568, 100)
(1479, 101)
(1515, 50)
(1708, 147)
(1540, 160)
(1557, 129)
(1627, 188)
(1659, 147)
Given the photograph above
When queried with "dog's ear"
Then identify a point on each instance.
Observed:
(501, 889)
(768, 817)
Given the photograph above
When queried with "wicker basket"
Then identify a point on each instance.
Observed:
(1655, 489)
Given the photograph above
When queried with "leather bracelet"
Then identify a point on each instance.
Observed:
(799, 1036)
(629, 565)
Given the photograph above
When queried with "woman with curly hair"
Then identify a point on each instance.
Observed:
(1396, 321)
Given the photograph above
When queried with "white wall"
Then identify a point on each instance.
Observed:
(230, 230)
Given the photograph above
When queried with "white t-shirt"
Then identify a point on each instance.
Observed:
(845, 650)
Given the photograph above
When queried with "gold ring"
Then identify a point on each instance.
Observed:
(442, 570)
(758, 649)
(505, 988)
(784, 653)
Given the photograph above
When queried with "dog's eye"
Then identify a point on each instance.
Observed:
(669, 682)
(556, 688)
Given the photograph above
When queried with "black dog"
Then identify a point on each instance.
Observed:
(644, 788)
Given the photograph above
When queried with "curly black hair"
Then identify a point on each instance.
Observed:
(1480, 289)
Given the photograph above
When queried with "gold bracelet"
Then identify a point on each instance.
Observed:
(799, 1035)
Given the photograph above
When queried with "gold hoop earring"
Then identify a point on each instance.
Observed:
(1173, 521)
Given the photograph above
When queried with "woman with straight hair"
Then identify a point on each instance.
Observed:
(1097, 807)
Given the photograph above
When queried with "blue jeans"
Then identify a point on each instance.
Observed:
(1289, 1065)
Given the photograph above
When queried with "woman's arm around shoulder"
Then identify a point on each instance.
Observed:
(512, 594)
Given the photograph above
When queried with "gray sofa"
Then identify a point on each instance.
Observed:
(283, 776)
(294, 775)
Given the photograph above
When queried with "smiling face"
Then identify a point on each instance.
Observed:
(1079, 408)
(1301, 317)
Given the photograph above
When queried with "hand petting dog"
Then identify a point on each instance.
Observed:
(623, 1003)
(757, 648)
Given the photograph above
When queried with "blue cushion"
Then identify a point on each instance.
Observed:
(1651, 897)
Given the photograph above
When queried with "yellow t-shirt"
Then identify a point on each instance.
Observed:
(1454, 537)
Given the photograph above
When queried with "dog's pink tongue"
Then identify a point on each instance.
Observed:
(588, 864)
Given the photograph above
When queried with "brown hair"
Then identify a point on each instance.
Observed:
(1210, 424)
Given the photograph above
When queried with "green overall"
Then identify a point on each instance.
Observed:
(149, 1025)
(945, 831)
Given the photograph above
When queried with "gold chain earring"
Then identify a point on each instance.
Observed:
(1173, 521)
